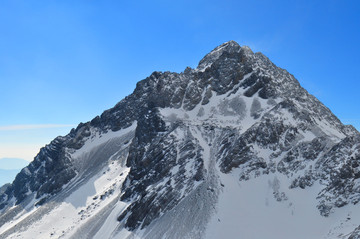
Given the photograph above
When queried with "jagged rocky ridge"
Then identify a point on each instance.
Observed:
(235, 114)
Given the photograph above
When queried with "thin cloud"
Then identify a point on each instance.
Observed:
(33, 126)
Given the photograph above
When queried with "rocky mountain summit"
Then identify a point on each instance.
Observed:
(235, 147)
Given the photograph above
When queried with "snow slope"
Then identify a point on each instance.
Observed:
(87, 196)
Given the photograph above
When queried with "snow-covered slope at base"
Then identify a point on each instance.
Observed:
(78, 207)
(252, 209)
(90, 197)
(111, 223)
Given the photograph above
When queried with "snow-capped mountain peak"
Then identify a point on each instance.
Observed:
(230, 47)
(233, 147)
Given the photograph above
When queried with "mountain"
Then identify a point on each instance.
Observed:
(12, 163)
(235, 148)
(8, 175)
(9, 168)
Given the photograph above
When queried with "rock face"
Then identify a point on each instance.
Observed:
(176, 140)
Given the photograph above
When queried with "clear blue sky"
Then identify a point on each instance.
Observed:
(63, 62)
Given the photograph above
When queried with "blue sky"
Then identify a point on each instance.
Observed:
(64, 62)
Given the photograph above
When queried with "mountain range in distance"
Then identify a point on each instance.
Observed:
(9, 167)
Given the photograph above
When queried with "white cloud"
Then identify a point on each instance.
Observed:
(33, 126)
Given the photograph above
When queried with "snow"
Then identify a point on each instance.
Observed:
(26, 212)
(98, 138)
(86, 196)
(219, 111)
(262, 152)
(203, 144)
(308, 136)
(78, 208)
(111, 222)
(213, 56)
(329, 130)
(249, 209)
